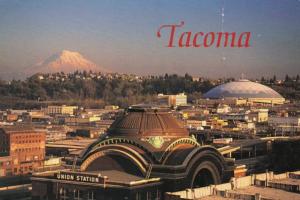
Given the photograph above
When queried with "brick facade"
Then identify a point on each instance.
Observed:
(23, 149)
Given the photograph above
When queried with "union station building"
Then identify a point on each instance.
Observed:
(145, 153)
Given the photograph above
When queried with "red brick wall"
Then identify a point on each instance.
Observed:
(27, 151)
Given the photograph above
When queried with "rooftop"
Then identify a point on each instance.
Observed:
(266, 186)
(17, 129)
(242, 89)
(114, 178)
(147, 121)
(269, 193)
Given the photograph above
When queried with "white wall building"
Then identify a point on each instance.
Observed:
(172, 100)
(286, 121)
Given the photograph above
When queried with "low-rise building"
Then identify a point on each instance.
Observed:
(218, 124)
(172, 100)
(64, 110)
(22, 148)
(248, 125)
(89, 132)
(227, 101)
(5, 165)
(82, 120)
(194, 113)
(195, 124)
(223, 108)
(235, 117)
(111, 107)
(256, 186)
(259, 115)
(55, 133)
(287, 121)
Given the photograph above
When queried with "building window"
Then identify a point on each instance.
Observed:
(91, 195)
(158, 195)
(148, 195)
(138, 196)
(63, 194)
(78, 195)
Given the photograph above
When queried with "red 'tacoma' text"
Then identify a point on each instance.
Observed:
(201, 39)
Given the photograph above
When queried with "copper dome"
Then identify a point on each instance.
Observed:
(143, 122)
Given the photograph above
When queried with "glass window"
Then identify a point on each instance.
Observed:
(158, 194)
(91, 195)
(148, 195)
(63, 194)
(138, 196)
(78, 195)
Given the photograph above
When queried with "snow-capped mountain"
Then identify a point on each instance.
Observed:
(65, 61)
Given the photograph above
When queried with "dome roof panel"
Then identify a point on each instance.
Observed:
(147, 122)
(242, 89)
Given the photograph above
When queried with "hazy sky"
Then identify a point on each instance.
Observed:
(121, 35)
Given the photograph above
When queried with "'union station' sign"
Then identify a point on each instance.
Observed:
(81, 177)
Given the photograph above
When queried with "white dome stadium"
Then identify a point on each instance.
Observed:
(242, 89)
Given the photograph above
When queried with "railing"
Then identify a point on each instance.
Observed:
(149, 171)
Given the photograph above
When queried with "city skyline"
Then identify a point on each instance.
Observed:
(121, 36)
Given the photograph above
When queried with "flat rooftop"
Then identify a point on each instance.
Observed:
(265, 192)
(118, 176)
(114, 178)
(287, 181)
(270, 193)
(279, 186)
(73, 143)
(215, 198)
